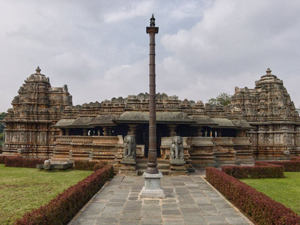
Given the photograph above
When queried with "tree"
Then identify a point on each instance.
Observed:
(222, 99)
(2, 115)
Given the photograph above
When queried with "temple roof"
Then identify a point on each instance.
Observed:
(64, 123)
(143, 117)
(104, 120)
(82, 122)
(37, 76)
(203, 120)
(161, 117)
(223, 123)
(241, 124)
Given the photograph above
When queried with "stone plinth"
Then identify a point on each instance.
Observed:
(129, 167)
(152, 188)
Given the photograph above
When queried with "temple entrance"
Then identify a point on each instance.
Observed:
(142, 136)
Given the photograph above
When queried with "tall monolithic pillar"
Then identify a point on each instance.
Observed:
(152, 152)
(152, 188)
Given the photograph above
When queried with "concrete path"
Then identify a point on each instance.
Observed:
(189, 200)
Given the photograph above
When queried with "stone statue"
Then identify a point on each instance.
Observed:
(129, 147)
(177, 154)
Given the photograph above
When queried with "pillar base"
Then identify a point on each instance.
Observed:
(152, 188)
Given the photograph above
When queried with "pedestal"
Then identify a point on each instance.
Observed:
(152, 188)
(129, 167)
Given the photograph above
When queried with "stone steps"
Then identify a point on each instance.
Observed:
(162, 165)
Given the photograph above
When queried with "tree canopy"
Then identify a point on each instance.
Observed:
(2, 115)
(222, 99)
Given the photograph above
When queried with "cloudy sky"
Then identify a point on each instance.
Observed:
(100, 48)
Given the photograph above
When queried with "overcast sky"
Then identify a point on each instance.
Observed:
(100, 48)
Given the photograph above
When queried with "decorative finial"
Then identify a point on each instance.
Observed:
(152, 21)
(269, 71)
(38, 70)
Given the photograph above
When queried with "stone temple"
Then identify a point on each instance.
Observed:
(259, 124)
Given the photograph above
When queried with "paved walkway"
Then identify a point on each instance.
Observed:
(189, 200)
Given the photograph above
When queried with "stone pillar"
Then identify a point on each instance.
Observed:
(132, 129)
(85, 132)
(152, 188)
(199, 131)
(219, 133)
(109, 131)
(61, 132)
(67, 132)
(105, 133)
(172, 130)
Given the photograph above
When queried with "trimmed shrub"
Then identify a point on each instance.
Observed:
(23, 162)
(295, 158)
(67, 204)
(289, 166)
(88, 165)
(257, 205)
(260, 170)
(2, 159)
(99, 165)
(84, 165)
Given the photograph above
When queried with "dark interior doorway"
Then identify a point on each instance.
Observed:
(142, 136)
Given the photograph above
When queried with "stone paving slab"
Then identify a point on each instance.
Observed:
(189, 200)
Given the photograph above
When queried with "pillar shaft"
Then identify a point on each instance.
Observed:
(152, 154)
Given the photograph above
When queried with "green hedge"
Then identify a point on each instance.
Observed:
(67, 204)
(260, 170)
(14, 161)
(289, 166)
(87, 165)
(255, 204)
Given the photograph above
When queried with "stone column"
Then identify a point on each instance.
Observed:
(172, 130)
(84, 132)
(132, 129)
(67, 132)
(199, 133)
(61, 132)
(152, 188)
(105, 131)
(219, 133)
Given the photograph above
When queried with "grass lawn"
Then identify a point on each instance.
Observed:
(24, 189)
(283, 190)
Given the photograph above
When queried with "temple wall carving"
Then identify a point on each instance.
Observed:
(259, 123)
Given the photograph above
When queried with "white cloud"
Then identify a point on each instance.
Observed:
(129, 11)
(100, 48)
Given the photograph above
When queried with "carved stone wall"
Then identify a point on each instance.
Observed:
(36, 108)
(269, 109)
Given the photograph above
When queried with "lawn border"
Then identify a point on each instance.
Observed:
(66, 205)
(258, 206)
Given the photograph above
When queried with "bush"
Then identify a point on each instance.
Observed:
(67, 204)
(22, 162)
(295, 158)
(257, 205)
(2, 159)
(99, 165)
(289, 166)
(86, 165)
(260, 170)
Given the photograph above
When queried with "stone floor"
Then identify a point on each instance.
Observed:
(189, 200)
